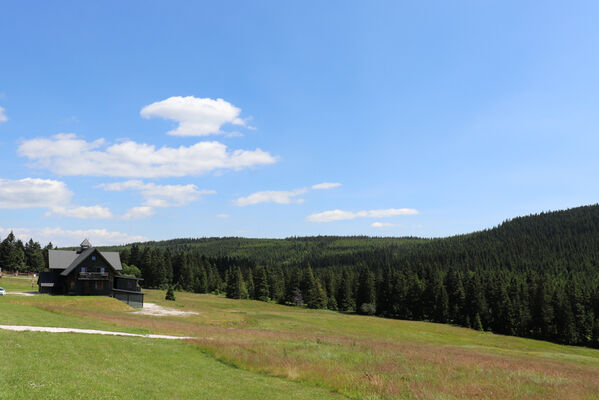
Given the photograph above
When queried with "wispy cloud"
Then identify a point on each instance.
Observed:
(195, 116)
(82, 212)
(326, 185)
(281, 196)
(224, 216)
(156, 196)
(340, 215)
(160, 195)
(66, 154)
(138, 213)
(382, 224)
(3, 117)
(271, 196)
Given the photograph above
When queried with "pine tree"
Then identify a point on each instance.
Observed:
(170, 293)
(317, 296)
(366, 291)
(261, 286)
(236, 288)
(345, 297)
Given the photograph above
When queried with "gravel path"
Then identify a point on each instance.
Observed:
(159, 311)
(22, 328)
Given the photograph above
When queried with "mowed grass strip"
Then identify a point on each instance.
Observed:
(77, 366)
(18, 284)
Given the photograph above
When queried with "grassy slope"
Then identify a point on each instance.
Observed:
(359, 357)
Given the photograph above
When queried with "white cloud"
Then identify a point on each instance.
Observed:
(138, 213)
(63, 237)
(3, 117)
(66, 154)
(271, 196)
(339, 215)
(281, 196)
(160, 195)
(156, 196)
(46, 193)
(196, 116)
(381, 224)
(33, 192)
(91, 212)
(222, 216)
(326, 185)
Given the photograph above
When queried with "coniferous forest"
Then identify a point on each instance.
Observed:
(535, 276)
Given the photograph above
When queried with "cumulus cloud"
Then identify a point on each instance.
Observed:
(271, 196)
(3, 117)
(339, 215)
(195, 116)
(33, 192)
(326, 185)
(381, 224)
(66, 154)
(63, 237)
(160, 195)
(46, 193)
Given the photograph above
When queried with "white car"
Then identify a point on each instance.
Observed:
(2, 292)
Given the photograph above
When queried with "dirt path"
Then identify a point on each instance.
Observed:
(23, 328)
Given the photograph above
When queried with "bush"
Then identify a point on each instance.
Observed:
(170, 294)
(367, 309)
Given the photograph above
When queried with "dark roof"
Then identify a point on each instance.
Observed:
(60, 259)
(69, 260)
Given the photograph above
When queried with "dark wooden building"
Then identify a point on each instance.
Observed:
(89, 272)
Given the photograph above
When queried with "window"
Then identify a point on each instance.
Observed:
(93, 258)
(83, 269)
(99, 284)
(102, 270)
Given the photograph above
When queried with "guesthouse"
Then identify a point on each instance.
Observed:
(89, 272)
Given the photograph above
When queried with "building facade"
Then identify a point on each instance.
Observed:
(89, 272)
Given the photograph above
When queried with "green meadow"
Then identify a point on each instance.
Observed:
(256, 350)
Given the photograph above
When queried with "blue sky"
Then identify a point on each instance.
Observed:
(425, 119)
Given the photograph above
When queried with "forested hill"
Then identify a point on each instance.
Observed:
(552, 241)
(534, 276)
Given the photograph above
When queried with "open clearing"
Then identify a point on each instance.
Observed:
(249, 350)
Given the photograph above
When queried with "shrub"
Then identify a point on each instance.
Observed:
(367, 309)
(170, 294)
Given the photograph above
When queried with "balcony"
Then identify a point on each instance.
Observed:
(96, 276)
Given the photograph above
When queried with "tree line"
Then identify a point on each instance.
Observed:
(17, 256)
(534, 276)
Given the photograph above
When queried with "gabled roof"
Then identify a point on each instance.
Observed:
(85, 244)
(82, 256)
(69, 260)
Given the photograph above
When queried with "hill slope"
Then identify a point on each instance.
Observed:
(243, 345)
(534, 276)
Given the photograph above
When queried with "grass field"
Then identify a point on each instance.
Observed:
(248, 349)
